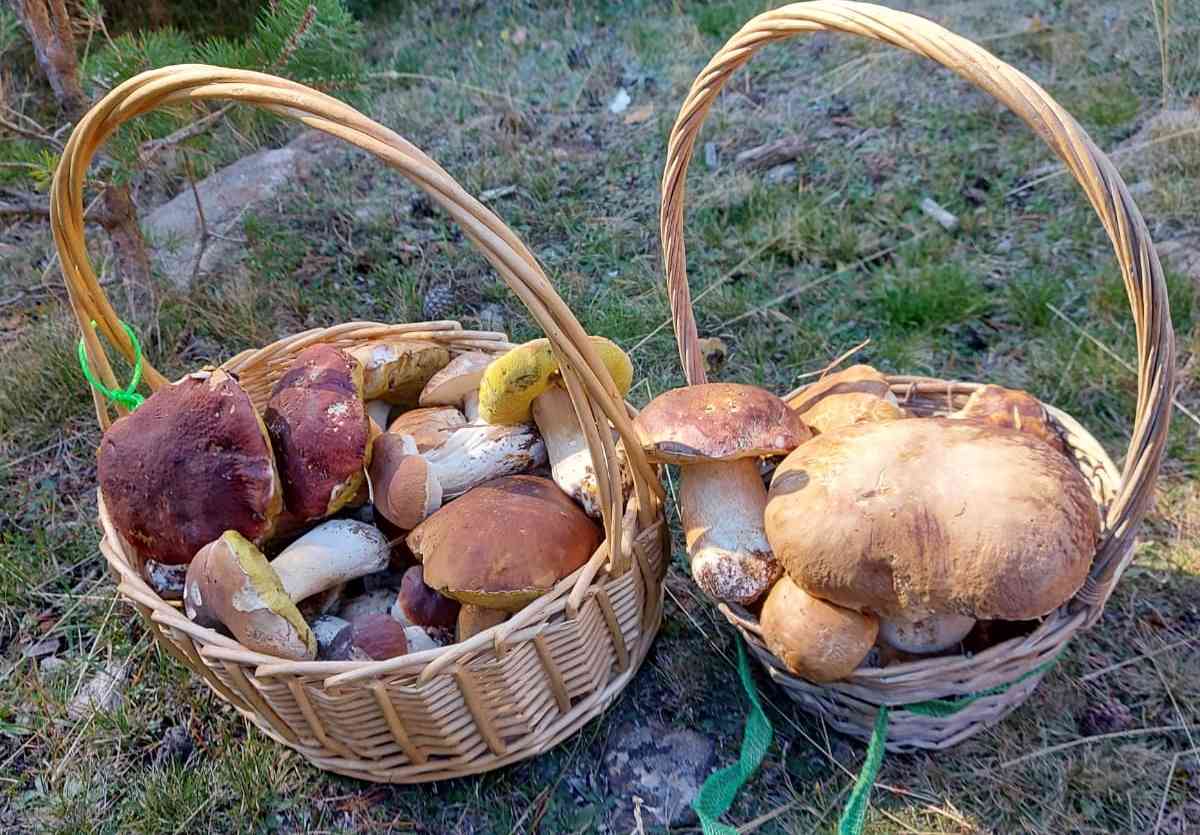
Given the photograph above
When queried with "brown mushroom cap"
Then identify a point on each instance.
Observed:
(858, 394)
(718, 422)
(1011, 408)
(430, 427)
(451, 385)
(917, 517)
(421, 605)
(505, 542)
(378, 637)
(813, 638)
(191, 463)
(405, 489)
(320, 431)
(396, 370)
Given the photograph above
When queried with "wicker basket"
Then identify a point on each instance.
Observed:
(506, 694)
(1015, 666)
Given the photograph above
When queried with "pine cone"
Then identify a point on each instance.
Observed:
(439, 302)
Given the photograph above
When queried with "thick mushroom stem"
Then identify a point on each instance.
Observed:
(929, 634)
(403, 484)
(481, 452)
(722, 506)
(330, 554)
(566, 447)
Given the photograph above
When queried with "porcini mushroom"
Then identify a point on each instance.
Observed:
(934, 518)
(429, 427)
(457, 384)
(403, 484)
(514, 380)
(377, 637)
(231, 583)
(856, 394)
(479, 452)
(716, 432)
(320, 432)
(504, 543)
(526, 380)
(815, 639)
(419, 605)
(1012, 408)
(474, 619)
(193, 461)
(396, 370)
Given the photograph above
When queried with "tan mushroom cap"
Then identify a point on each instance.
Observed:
(193, 461)
(430, 427)
(319, 428)
(231, 582)
(1012, 408)
(504, 543)
(405, 489)
(718, 422)
(913, 518)
(453, 383)
(858, 394)
(813, 638)
(396, 370)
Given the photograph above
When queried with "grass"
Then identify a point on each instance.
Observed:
(354, 241)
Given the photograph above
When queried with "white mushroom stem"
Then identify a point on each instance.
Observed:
(330, 554)
(722, 508)
(930, 634)
(470, 406)
(566, 446)
(480, 452)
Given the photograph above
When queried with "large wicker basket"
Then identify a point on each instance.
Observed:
(1009, 671)
(504, 695)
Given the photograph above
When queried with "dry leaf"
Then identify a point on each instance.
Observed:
(639, 114)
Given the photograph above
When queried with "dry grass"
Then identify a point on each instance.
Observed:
(1106, 744)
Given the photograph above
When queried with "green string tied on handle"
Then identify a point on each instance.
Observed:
(721, 788)
(128, 396)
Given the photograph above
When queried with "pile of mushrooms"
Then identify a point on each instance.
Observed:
(880, 530)
(392, 498)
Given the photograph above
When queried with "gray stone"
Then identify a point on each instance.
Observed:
(654, 773)
(52, 666)
(1182, 256)
(102, 693)
(38, 649)
(781, 174)
(174, 228)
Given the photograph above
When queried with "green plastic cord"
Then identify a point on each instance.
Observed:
(719, 790)
(128, 396)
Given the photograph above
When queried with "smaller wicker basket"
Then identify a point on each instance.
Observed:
(506, 694)
(1009, 671)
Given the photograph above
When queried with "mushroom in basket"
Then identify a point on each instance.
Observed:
(231, 583)
(457, 384)
(717, 432)
(858, 394)
(931, 524)
(192, 462)
(1011, 408)
(525, 383)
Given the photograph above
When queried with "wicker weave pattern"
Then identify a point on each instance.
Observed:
(851, 705)
(508, 693)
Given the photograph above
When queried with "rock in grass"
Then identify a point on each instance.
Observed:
(102, 693)
(661, 765)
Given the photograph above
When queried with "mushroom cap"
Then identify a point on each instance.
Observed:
(404, 487)
(230, 582)
(513, 380)
(813, 638)
(505, 542)
(912, 518)
(429, 427)
(718, 422)
(396, 370)
(1012, 408)
(421, 605)
(193, 461)
(319, 429)
(453, 383)
(858, 394)
(474, 619)
(378, 637)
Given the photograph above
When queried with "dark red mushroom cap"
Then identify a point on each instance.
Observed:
(319, 429)
(191, 463)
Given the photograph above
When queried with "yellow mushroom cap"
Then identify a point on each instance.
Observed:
(513, 381)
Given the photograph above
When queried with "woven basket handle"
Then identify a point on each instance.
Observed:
(1095, 172)
(591, 387)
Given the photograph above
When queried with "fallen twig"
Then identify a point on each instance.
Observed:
(151, 148)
